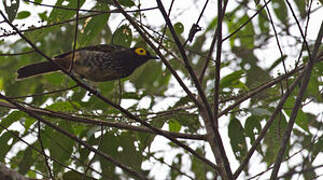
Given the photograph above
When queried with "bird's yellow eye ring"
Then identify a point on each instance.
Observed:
(141, 51)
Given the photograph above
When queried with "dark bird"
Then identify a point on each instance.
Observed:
(96, 63)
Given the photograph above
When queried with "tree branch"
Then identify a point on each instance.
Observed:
(40, 152)
(267, 125)
(119, 125)
(185, 59)
(73, 137)
(215, 136)
(9, 174)
(104, 99)
(307, 74)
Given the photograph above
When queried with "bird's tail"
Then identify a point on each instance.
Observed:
(36, 69)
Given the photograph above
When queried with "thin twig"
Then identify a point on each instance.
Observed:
(276, 37)
(260, 88)
(245, 23)
(94, 157)
(41, 152)
(208, 57)
(165, 27)
(63, 148)
(75, 35)
(303, 171)
(18, 54)
(268, 124)
(218, 64)
(104, 99)
(73, 9)
(214, 121)
(45, 93)
(216, 135)
(306, 28)
(73, 137)
(266, 127)
(300, 29)
(298, 101)
(161, 160)
(211, 49)
(167, 64)
(119, 125)
(185, 59)
(195, 27)
(73, 19)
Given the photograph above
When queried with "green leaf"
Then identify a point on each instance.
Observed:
(263, 22)
(146, 139)
(43, 16)
(11, 8)
(280, 10)
(252, 127)
(317, 147)
(174, 126)
(1, 84)
(189, 120)
(127, 3)
(5, 147)
(247, 33)
(179, 28)
(58, 14)
(23, 15)
(121, 148)
(131, 95)
(11, 118)
(182, 101)
(72, 175)
(301, 5)
(277, 62)
(28, 122)
(273, 138)
(39, 34)
(198, 168)
(313, 90)
(259, 111)
(122, 36)
(212, 24)
(301, 118)
(256, 1)
(62, 106)
(237, 140)
(177, 162)
(157, 80)
(27, 161)
(59, 145)
(56, 79)
(231, 79)
(93, 26)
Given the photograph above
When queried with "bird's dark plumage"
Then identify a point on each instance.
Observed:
(95, 63)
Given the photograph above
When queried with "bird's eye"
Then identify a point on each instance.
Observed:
(141, 51)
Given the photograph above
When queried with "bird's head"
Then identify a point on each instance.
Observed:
(143, 53)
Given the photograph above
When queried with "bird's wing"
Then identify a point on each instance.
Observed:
(101, 48)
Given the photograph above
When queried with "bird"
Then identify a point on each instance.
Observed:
(97, 63)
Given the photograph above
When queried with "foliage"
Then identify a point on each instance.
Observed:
(152, 93)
